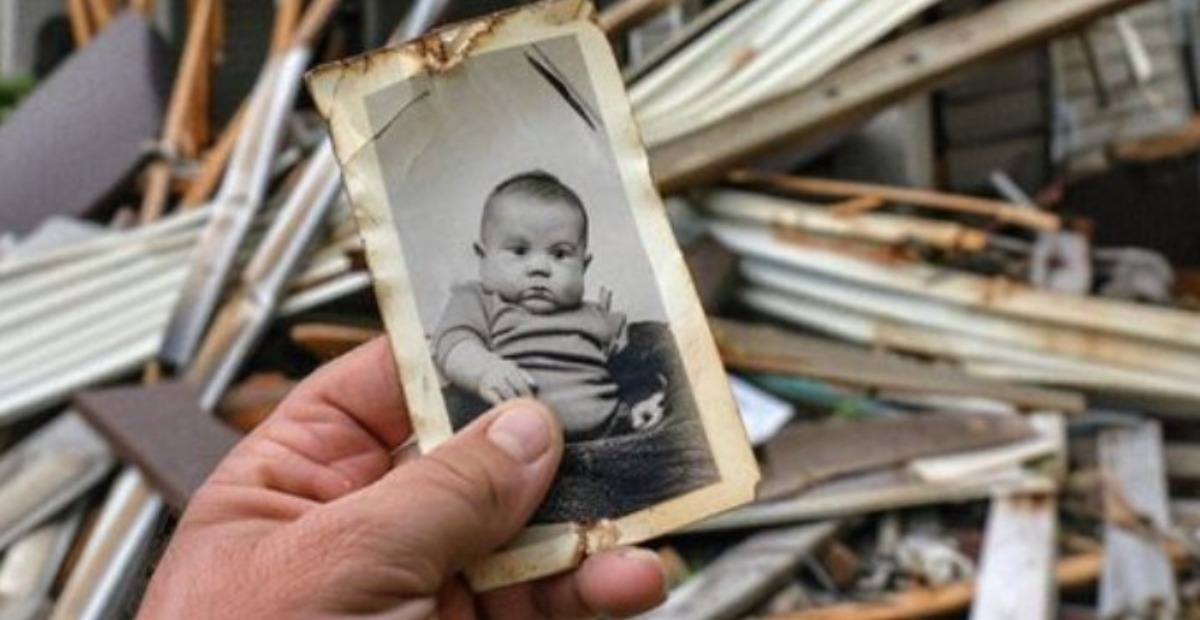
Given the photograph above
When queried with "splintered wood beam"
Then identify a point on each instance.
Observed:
(1075, 571)
(101, 13)
(1018, 558)
(626, 14)
(805, 454)
(81, 22)
(867, 84)
(183, 100)
(1138, 579)
(771, 349)
(1027, 216)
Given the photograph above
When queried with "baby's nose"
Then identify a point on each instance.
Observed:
(538, 264)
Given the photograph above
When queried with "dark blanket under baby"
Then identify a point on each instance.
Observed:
(612, 476)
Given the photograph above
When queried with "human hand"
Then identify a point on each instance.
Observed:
(308, 516)
(503, 380)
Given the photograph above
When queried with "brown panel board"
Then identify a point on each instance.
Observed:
(163, 431)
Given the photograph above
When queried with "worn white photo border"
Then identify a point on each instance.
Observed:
(341, 91)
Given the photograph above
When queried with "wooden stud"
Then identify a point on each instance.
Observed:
(1003, 212)
(81, 22)
(192, 70)
(624, 15)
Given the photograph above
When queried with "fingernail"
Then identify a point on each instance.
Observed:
(522, 432)
(670, 574)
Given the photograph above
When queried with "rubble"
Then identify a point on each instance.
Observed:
(947, 429)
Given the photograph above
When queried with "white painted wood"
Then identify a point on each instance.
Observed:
(974, 354)
(1165, 326)
(1028, 335)
(1050, 442)
(1138, 580)
(1016, 573)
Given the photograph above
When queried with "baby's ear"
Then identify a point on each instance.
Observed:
(587, 260)
(478, 249)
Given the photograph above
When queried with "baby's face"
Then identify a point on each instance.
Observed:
(533, 253)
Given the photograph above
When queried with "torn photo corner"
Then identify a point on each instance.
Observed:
(518, 247)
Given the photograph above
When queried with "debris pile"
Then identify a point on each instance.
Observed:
(969, 385)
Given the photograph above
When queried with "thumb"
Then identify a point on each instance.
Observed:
(435, 515)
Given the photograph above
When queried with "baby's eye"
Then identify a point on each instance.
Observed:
(519, 250)
(562, 252)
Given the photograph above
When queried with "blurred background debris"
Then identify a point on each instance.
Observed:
(949, 249)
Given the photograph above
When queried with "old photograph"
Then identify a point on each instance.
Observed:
(519, 249)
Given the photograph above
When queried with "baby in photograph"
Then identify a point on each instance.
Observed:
(524, 329)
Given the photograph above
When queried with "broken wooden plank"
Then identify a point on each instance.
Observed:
(875, 227)
(1016, 573)
(1050, 441)
(1000, 296)
(1003, 212)
(1074, 571)
(1138, 579)
(741, 576)
(624, 15)
(771, 349)
(867, 84)
(977, 356)
(805, 454)
(187, 81)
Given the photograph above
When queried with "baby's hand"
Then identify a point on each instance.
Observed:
(502, 380)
